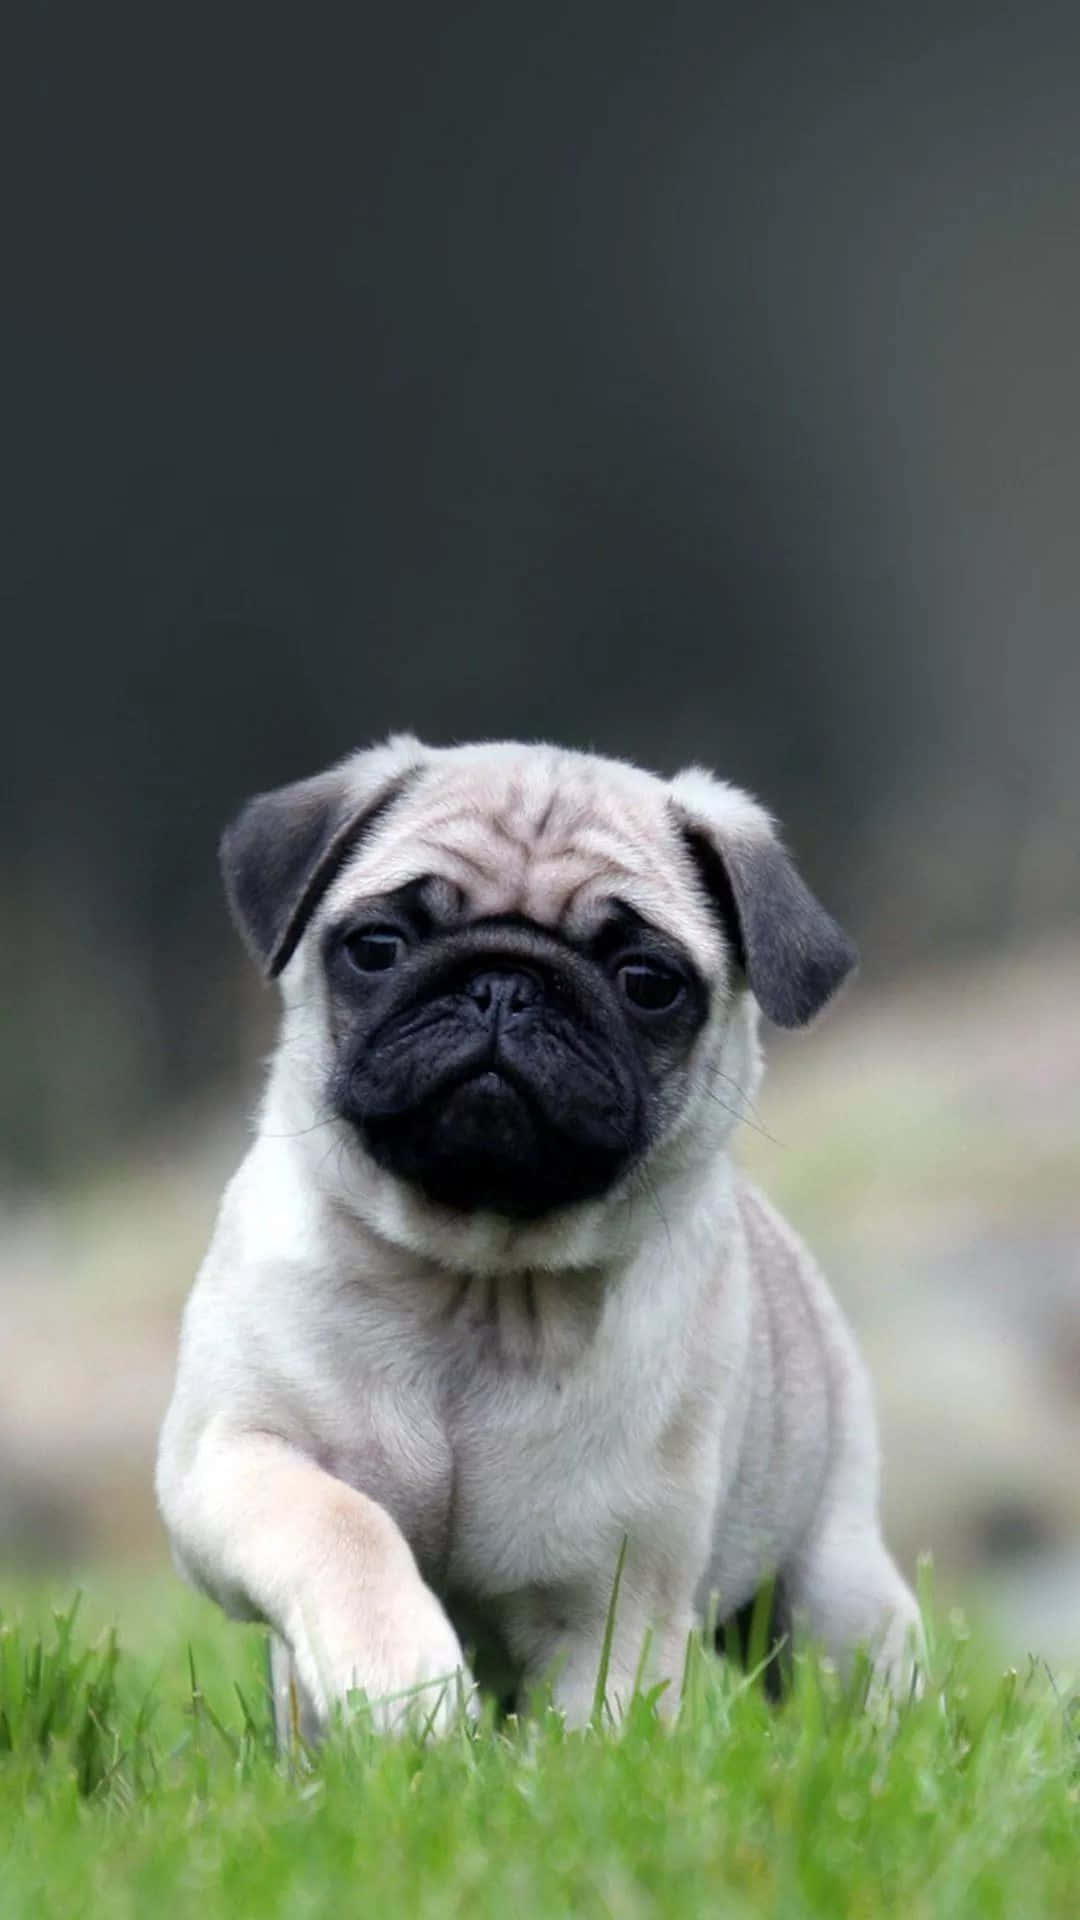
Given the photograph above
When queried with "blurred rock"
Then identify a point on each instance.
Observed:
(927, 1142)
(91, 1286)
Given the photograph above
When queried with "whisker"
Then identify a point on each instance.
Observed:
(734, 1084)
(744, 1119)
(650, 1188)
(336, 1142)
(300, 1132)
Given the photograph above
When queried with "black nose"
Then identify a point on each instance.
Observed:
(504, 993)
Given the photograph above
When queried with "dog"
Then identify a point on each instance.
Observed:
(489, 1310)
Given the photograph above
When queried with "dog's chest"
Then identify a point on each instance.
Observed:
(555, 1423)
(516, 1439)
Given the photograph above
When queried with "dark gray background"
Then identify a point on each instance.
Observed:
(691, 381)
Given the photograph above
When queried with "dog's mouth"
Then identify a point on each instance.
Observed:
(502, 1090)
(484, 1144)
(490, 1115)
(485, 1140)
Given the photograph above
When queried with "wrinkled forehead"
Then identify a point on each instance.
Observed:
(551, 838)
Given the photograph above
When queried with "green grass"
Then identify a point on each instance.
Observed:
(137, 1779)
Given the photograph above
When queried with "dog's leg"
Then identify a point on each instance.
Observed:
(293, 1715)
(846, 1592)
(638, 1659)
(840, 1581)
(274, 1537)
(648, 1646)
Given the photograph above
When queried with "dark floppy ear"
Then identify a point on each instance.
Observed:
(792, 952)
(283, 849)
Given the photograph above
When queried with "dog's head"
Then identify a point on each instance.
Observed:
(518, 974)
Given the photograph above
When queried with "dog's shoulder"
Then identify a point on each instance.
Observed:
(790, 1285)
(780, 1261)
(809, 1328)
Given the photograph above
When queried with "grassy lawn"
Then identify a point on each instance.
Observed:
(136, 1779)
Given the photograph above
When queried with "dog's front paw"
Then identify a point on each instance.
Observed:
(398, 1659)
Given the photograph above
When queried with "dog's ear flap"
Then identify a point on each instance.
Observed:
(283, 849)
(792, 952)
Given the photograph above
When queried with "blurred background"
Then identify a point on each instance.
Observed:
(691, 382)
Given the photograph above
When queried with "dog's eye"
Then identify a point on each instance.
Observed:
(649, 988)
(374, 949)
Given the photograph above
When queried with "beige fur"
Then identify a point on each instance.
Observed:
(387, 1413)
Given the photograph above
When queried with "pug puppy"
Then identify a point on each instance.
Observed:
(488, 1304)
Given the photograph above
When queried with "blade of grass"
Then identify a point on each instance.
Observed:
(600, 1700)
